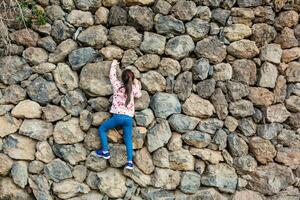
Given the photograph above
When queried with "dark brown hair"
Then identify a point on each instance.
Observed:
(127, 79)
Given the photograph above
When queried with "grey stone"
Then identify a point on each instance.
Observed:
(180, 46)
(200, 69)
(220, 15)
(13, 94)
(158, 135)
(118, 156)
(293, 103)
(153, 82)
(183, 85)
(162, 7)
(70, 153)
(271, 53)
(164, 105)
(138, 177)
(263, 34)
(166, 179)
(277, 113)
(52, 113)
(14, 145)
(269, 131)
(62, 51)
(44, 152)
(169, 67)
(95, 164)
(182, 160)
(125, 36)
(183, 123)
(42, 91)
(190, 182)
(68, 132)
(36, 129)
(169, 24)
(247, 126)
(65, 79)
(19, 173)
(143, 160)
(161, 158)
(206, 88)
(35, 55)
(117, 16)
(237, 146)
(94, 36)
(244, 71)
(79, 57)
(141, 17)
(87, 5)
(221, 176)
(60, 31)
(243, 49)
(55, 12)
(35, 167)
(80, 18)
(219, 101)
(47, 43)
(85, 120)
(184, 10)
(197, 29)
(112, 183)
(220, 139)
(249, 3)
(197, 107)
(57, 170)
(212, 49)
(258, 181)
(144, 117)
(147, 62)
(210, 125)
(14, 69)
(245, 163)
(175, 142)
(40, 186)
(153, 43)
(74, 188)
(8, 190)
(74, 102)
(241, 108)
(197, 139)
(236, 90)
(267, 75)
(94, 79)
(222, 72)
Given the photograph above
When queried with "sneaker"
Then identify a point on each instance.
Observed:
(103, 154)
(129, 165)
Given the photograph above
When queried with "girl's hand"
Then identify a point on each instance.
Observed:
(114, 63)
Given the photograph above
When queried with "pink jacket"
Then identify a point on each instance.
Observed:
(119, 96)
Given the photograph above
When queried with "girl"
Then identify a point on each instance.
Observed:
(122, 109)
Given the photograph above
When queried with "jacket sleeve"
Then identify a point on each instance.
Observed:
(113, 77)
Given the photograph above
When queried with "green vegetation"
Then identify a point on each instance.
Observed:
(31, 14)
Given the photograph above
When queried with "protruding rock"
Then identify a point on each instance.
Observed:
(179, 46)
(262, 149)
(158, 135)
(212, 49)
(164, 105)
(221, 176)
(198, 107)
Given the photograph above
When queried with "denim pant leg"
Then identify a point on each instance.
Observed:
(107, 125)
(127, 130)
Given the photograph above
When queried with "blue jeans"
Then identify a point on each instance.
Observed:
(125, 122)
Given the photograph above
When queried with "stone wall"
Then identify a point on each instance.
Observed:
(219, 117)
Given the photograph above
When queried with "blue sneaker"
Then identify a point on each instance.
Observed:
(129, 165)
(103, 154)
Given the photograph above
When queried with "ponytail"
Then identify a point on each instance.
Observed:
(127, 78)
(128, 91)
